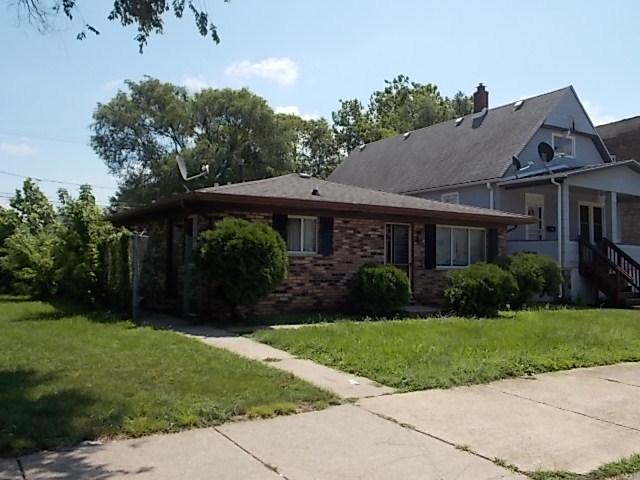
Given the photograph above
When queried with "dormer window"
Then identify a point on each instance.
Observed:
(564, 145)
(451, 197)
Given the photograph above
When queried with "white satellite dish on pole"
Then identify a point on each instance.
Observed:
(182, 168)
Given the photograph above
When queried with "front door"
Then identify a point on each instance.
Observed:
(591, 222)
(398, 246)
(535, 208)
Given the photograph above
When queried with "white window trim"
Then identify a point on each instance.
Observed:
(590, 206)
(410, 242)
(453, 195)
(534, 200)
(573, 143)
(468, 229)
(301, 252)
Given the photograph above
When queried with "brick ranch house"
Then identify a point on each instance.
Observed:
(330, 231)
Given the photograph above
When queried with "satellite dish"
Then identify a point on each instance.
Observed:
(516, 163)
(546, 152)
(182, 169)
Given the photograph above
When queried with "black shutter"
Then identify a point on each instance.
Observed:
(325, 235)
(279, 224)
(430, 246)
(492, 244)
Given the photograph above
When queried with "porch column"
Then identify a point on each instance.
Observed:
(565, 232)
(613, 214)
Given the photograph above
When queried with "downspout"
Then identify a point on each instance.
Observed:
(560, 229)
(491, 201)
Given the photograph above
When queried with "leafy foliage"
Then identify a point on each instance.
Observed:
(147, 15)
(32, 207)
(82, 233)
(380, 289)
(45, 253)
(400, 107)
(245, 260)
(140, 132)
(31, 260)
(535, 274)
(480, 290)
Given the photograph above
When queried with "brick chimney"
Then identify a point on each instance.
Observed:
(480, 99)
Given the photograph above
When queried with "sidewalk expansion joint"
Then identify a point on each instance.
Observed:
(273, 468)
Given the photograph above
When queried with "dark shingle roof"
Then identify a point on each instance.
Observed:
(622, 138)
(446, 154)
(297, 187)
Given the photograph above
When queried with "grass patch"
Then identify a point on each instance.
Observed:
(611, 471)
(446, 352)
(67, 376)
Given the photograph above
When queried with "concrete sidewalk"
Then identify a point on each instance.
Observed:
(342, 442)
(576, 420)
(341, 384)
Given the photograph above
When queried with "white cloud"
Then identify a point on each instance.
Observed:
(112, 84)
(22, 148)
(195, 83)
(293, 110)
(282, 70)
(597, 114)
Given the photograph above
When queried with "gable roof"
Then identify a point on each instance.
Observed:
(446, 154)
(622, 137)
(297, 191)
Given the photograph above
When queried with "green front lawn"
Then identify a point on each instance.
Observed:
(67, 377)
(421, 354)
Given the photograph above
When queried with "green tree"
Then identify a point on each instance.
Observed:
(148, 16)
(140, 132)
(313, 148)
(83, 231)
(401, 106)
(32, 207)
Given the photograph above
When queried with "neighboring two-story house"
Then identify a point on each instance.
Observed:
(541, 156)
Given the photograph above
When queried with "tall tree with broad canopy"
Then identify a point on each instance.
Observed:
(140, 132)
(147, 15)
(401, 106)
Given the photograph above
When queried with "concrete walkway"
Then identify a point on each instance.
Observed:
(343, 385)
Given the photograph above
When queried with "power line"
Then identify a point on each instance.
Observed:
(59, 182)
(42, 137)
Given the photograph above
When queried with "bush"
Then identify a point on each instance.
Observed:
(535, 274)
(480, 290)
(380, 289)
(245, 260)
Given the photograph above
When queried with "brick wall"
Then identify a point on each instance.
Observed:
(629, 220)
(313, 283)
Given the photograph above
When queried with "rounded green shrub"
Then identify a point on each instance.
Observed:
(480, 290)
(535, 274)
(244, 260)
(380, 289)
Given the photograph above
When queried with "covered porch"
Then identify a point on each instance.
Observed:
(593, 204)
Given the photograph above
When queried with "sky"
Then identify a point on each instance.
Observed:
(303, 56)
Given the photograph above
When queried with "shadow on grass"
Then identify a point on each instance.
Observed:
(64, 309)
(33, 417)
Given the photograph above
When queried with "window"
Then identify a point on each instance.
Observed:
(451, 197)
(460, 246)
(302, 235)
(563, 145)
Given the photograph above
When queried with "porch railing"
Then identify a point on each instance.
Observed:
(624, 261)
(613, 272)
